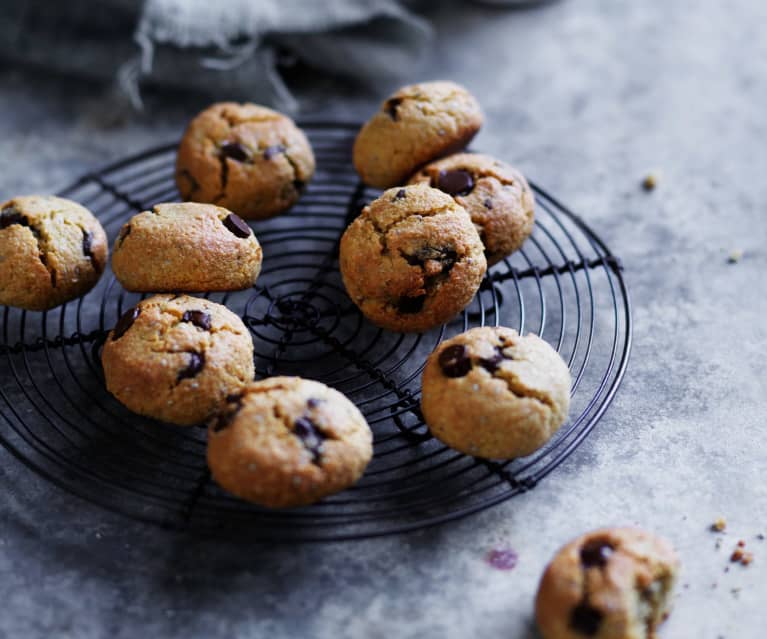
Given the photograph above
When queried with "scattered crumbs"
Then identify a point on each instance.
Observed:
(741, 543)
(735, 256)
(748, 557)
(713, 586)
(684, 518)
(651, 181)
(686, 586)
(718, 544)
(502, 558)
(760, 537)
(735, 592)
(727, 569)
(719, 525)
(736, 555)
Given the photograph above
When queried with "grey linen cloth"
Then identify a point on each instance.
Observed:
(227, 48)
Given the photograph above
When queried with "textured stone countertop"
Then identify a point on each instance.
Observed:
(586, 97)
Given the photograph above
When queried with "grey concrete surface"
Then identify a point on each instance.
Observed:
(586, 96)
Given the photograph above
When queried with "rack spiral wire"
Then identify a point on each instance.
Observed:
(57, 417)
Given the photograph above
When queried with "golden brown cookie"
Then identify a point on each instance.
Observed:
(287, 441)
(496, 196)
(250, 159)
(490, 393)
(415, 125)
(177, 358)
(412, 259)
(613, 583)
(52, 250)
(186, 247)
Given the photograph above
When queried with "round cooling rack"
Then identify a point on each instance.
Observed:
(57, 417)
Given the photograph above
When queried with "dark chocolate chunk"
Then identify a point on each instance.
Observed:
(200, 319)
(491, 363)
(390, 106)
(195, 365)
(447, 256)
(271, 151)
(10, 216)
(585, 619)
(596, 553)
(457, 182)
(488, 203)
(87, 244)
(235, 151)
(410, 305)
(401, 194)
(454, 361)
(313, 402)
(237, 225)
(125, 322)
(311, 437)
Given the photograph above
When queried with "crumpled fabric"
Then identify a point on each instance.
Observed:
(226, 48)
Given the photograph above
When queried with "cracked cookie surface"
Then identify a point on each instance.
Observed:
(415, 125)
(52, 250)
(288, 441)
(177, 358)
(412, 259)
(186, 247)
(613, 583)
(244, 157)
(496, 196)
(492, 393)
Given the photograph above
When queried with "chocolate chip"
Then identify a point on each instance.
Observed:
(271, 151)
(585, 619)
(311, 437)
(456, 182)
(491, 364)
(10, 216)
(446, 255)
(88, 244)
(410, 305)
(390, 106)
(200, 319)
(125, 322)
(313, 402)
(596, 553)
(454, 361)
(237, 225)
(488, 203)
(299, 185)
(235, 151)
(400, 195)
(125, 232)
(195, 365)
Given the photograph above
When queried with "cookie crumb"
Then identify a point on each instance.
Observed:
(741, 543)
(719, 525)
(736, 555)
(651, 181)
(735, 256)
(748, 557)
(760, 537)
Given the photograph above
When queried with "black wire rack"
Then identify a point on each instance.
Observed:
(57, 417)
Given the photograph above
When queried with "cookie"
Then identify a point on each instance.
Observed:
(186, 247)
(250, 159)
(52, 250)
(177, 358)
(496, 196)
(287, 441)
(412, 259)
(415, 125)
(614, 583)
(490, 392)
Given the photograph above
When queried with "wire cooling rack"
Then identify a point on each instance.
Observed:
(57, 417)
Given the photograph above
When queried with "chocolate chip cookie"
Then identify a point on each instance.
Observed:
(614, 583)
(52, 250)
(412, 259)
(287, 441)
(496, 196)
(177, 358)
(186, 247)
(490, 392)
(245, 157)
(415, 125)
